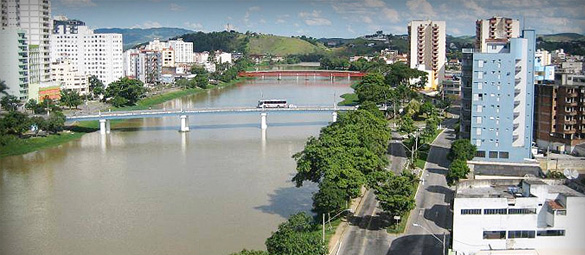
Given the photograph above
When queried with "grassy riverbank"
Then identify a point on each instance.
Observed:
(18, 146)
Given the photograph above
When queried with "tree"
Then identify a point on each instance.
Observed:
(413, 108)
(31, 105)
(14, 123)
(406, 124)
(125, 92)
(202, 81)
(3, 88)
(372, 88)
(462, 149)
(55, 122)
(195, 69)
(401, 74)
(39, 122)
(457, 170)
(394, 192)
(96, 86)
(9, 103)
(427, 108)
(297, 236)
(250, 252)
(329, 198)
(70, 98)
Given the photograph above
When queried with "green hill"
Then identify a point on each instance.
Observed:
(282, 46)
(562, 37)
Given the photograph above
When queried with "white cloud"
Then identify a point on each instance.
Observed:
(263, 21)
(176, 7)
(349, 29)
(374, 3)
(314, 18)
(280, 21)
(421, 8)
(254, 9)
(367, 19)
(391, 15)
(193, 26)
(148, 24)
(78, 3)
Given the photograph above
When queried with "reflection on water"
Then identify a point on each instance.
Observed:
(148, 189)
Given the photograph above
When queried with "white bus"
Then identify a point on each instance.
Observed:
(272, 103)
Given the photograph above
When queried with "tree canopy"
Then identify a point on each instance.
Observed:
(125, 92)
(297, 236)
(462, 149)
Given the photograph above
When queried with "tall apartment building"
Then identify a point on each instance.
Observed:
(144, 65)
(428, 49)
(63, 25)
(183, 50)
(32, 17)
(14, 70)
(498, 99)
(560, 113)
(531, 216)
(496, 29)
(90, 53)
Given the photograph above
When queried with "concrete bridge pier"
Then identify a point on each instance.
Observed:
(348, 77)
(104, 126)
(263, 125)
(334, 116)
(184, 123)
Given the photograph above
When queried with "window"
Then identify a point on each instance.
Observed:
(478, 142)
(479, 108)
(470, 211)
(480, 154)
(550, 233)
(504, 154)
(480, 75)
(478, 120)
(480, 63)
(522, 211)
(495, 211)
(494, 234)
(493, 154)
(520, 234)
(479, 85)
(478, 131)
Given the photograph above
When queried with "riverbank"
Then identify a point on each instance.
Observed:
(18, 146)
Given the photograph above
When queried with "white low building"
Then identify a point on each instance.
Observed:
(68, 77)
(530, 216)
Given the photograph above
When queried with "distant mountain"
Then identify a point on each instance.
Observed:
(562, 37)
(136, 36)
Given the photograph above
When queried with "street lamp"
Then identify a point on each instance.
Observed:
(442, 242)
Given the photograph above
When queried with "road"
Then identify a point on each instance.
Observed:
(365, 234)
(432, 211)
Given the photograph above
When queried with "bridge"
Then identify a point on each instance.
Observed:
(105, 117)
(302, 73)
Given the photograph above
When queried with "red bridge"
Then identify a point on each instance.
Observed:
(302, 73)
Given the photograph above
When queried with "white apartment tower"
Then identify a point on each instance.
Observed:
(34, 18)
(428, 49)
(496, 29)
(90, 53)
(183, 51)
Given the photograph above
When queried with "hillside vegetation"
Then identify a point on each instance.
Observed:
(282, 46)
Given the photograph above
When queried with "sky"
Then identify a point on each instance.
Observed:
(322, 18)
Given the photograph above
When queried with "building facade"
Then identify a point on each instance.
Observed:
(14, 65)
(183, 51)
(67, 77)
(495, 29)
(498, 99)
(33, 17)
(428, 49)
(451, 85)
(560, 113)
(531, 216)
(90, 53)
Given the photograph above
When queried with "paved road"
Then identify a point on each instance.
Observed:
(432, 210)
(365, 234)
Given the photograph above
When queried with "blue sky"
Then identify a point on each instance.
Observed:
(322, 18)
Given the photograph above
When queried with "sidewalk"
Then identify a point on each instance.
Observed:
(355, 206)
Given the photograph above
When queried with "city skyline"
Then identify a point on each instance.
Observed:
(321, 18)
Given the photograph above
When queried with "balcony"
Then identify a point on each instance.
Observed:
(516, 115)
(571, 113)
(518, 80)
(516, 125)
(570, 122)
(517, 91)
(518, 69)
(516, 103)
(572, 103)
(573, 94)
(515, 137)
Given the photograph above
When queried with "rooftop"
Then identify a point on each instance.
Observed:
(502, 188)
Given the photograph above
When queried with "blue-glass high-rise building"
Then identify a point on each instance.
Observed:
(498, 98)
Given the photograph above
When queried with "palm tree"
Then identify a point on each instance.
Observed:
(3, 88)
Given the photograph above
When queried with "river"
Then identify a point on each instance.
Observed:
(148, 189)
